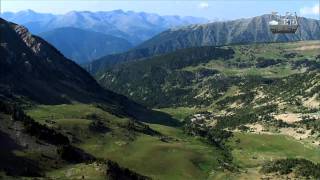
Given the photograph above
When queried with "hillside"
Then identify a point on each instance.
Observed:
(83, 46)
(203, 75)
(253, 101)
(241, 31)
(34, 150)
(158, 80)
(33, 68)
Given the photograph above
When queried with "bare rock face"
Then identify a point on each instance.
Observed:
(27, 38)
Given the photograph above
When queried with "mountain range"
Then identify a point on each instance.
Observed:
(250, 30)
(132, 26)
(240, 31)
(84, 36)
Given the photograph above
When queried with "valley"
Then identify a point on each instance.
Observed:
(221, 100)
(149, 154)
(266, 94)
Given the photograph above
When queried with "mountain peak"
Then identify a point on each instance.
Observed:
(28, 11)
(120, 11)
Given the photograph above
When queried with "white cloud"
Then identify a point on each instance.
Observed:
(203, 5)
(314, 10)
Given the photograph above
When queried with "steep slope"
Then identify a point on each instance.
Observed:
(20, 133)
(158, 81)
(33, 70)
(32, 149)
(83, 46)
(213, 34)
(230, 32)
(132, 26)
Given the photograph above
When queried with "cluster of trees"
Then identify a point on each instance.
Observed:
(312, 65)
(98, 126)
(263, 62)
(300, 167)
(38, 130)
(115, 172)
(290, 55)
(42, 132)
(73, 154)
(310, 123)
(279, 123)
(214, 136)
(137, 126)
(289, 88)
(246, 115)
(244, 98)
(6, 107)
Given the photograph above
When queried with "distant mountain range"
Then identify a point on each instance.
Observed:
(84, 46)
(84, 36)
(132, 26)
(251, 30)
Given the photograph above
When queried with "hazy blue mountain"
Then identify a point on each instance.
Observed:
(27, 16)
(83, 46)
(133, 26)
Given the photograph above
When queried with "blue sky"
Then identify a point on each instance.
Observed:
(214, 9)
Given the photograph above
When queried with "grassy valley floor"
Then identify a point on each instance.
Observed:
(173, 155)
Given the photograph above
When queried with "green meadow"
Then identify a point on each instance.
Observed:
(181, 157)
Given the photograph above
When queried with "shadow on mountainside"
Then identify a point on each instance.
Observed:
(122, 106)
(14, 165)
